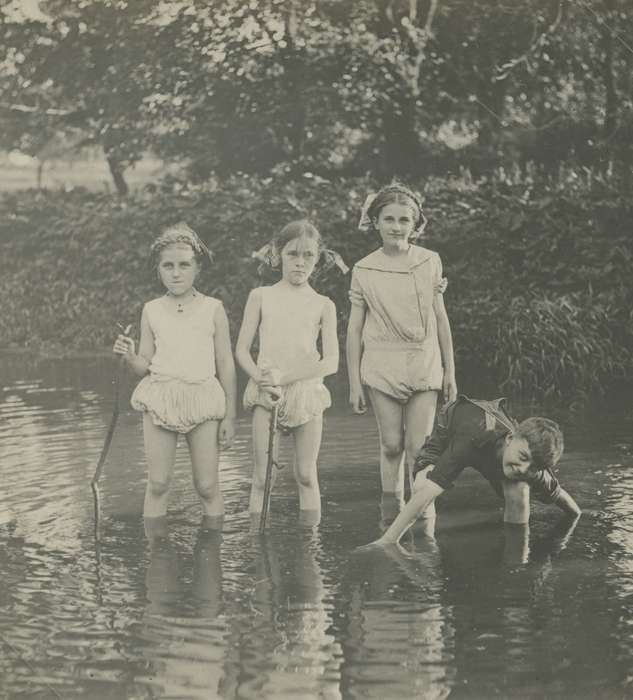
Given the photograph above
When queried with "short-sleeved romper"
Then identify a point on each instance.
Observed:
(401, 352)
(181, 390)
(288, 332)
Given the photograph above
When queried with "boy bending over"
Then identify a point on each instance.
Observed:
(516, 459)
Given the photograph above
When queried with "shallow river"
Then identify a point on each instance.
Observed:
(482, 611)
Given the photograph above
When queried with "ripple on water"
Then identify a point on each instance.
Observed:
(479, 612)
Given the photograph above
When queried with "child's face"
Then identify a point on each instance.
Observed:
(517, 458)
(298, 259)
(178, 268)
(395, 224)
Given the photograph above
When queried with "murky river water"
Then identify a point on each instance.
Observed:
(482, 611)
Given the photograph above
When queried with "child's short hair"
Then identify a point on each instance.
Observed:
(545, 440)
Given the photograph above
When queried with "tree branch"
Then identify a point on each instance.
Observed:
(49, 112)
(536, 44)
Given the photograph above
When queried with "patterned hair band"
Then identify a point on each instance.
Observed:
(181, 233)
(365, 223)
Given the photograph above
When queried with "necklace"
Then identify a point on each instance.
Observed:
(180, 306)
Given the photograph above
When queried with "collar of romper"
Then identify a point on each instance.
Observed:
(416, 255)
(496, 421)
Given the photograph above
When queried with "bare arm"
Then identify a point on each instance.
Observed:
(248, 329)
(421, 499)
(567, 504)
(516, 495)
(353, 348)
(224, 364)
(138, 362)
(328, 364)
(445, 339)
(225, 368)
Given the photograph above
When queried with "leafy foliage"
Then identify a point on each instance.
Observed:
(539, 292)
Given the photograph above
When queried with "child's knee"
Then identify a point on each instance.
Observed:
(307, 477)
(392, 446)
(158, 487)
(207, 489)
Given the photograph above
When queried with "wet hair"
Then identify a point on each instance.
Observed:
(545, 440)
(180, 233)
(397, 193)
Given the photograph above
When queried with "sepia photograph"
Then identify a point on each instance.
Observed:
(316, 349)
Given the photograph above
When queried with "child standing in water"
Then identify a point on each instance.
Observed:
(399, 339)
(188, 384)
(289, 317)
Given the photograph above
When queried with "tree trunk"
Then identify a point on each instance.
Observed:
(117, 170)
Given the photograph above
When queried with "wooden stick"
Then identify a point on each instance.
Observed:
(108, 438)
(270, 465)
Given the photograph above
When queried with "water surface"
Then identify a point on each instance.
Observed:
(482, 611)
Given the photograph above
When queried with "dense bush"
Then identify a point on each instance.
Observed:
(539, 290)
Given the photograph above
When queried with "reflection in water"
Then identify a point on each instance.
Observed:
(185, 653)
(288, 648)
(399, 631)
(484, 610)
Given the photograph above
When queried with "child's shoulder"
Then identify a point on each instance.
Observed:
(375, 260)
(209, 299)
(325, 301)
(155, 303)
(420, 253)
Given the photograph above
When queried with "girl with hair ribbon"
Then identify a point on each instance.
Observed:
(289, 317)
(188, 385)
(399, 342)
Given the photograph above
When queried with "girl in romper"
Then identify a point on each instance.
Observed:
(188, 384)
(399, 339)
(289, 316)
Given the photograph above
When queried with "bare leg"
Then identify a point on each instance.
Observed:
(307, 440)
(160, 452)
(261, 429)
(389, 416)
(203, 448)
(419, 414)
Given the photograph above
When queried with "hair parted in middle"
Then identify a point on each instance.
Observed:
(397, 193)
(270, 254)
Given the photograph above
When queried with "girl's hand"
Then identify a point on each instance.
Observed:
(440, 287)
(226, 433)
(124, 345)
(357, 399)
(270, 376)
(449, 387)
(274, 392)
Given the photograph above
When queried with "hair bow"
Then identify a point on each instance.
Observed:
(365, 222)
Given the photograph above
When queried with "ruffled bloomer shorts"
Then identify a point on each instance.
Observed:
(178, 405)
(300, 401)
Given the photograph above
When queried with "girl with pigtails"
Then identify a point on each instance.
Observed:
(188, 386)
(288, 318)
(399, 342)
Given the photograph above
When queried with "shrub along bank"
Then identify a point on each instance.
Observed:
(539, 296)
